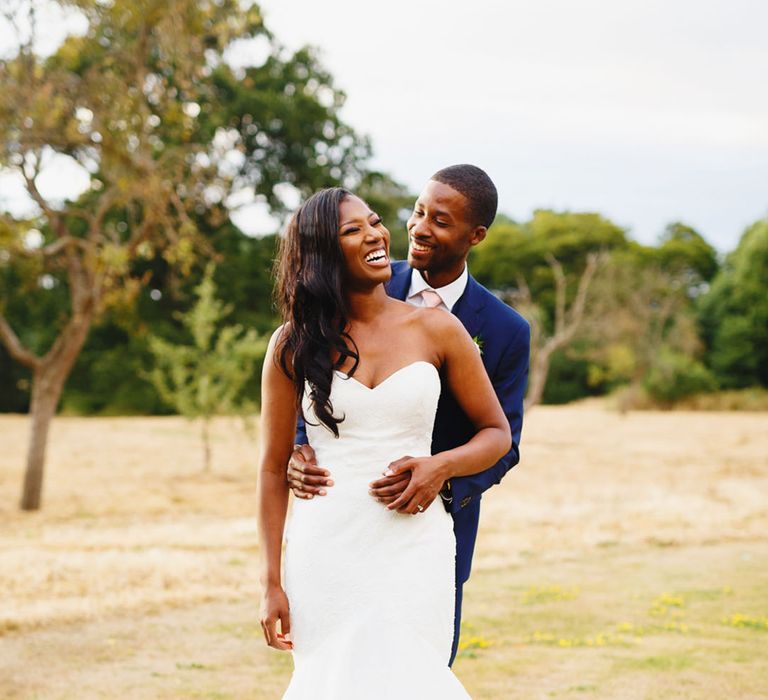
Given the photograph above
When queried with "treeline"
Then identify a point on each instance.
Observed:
(662, 322)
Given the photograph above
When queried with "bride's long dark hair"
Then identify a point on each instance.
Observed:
(309, 294)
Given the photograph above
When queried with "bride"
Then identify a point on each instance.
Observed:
(368, 602)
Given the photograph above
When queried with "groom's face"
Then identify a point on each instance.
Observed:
(440, 232)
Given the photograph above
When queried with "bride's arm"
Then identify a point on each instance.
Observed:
(465, 375)
(278, 423)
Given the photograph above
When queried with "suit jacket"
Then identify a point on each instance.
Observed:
(505, 339)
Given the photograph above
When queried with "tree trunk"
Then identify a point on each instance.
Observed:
(206, 445)
(567, 322)
(537, 378)
(48, 381)
(45, 398)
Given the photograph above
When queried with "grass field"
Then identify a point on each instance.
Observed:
(625, 557)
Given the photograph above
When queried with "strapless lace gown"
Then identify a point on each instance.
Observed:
(371, 591)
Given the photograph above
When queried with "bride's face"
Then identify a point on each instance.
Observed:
(364, 243)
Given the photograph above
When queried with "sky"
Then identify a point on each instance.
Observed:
(646, 111)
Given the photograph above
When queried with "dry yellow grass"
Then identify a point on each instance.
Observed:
(626, 557)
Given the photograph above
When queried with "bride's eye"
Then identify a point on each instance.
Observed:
(347, 231)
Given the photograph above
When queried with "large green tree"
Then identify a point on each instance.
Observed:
(143, 102)
(734, 313)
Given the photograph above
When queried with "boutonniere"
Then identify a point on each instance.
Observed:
(478, 341)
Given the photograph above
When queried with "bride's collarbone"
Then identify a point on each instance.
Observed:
(373, 372)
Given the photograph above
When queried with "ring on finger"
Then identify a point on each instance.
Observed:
(420, 508)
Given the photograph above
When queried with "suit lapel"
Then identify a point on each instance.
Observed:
(467, 309)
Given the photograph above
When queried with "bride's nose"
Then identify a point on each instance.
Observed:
(376, 233)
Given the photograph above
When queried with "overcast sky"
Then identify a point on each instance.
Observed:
(647, 111)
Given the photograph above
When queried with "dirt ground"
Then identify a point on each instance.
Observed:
(625, 557)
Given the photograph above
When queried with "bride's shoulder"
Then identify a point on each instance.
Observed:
(279, 336)
(277, 353)
(438, 322)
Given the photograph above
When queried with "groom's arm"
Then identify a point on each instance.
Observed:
(509, 382)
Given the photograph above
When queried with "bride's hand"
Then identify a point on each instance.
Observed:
(427, 478)
(274, 607)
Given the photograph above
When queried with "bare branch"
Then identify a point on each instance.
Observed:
(54, 217)
(577, 308)
(560, 289)
(66, 241)
(14, 346)
(96, 220)
(72, 335)
(524, 289)
(53, 249)
(567, 322)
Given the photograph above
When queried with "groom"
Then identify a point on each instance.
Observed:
(450, 217)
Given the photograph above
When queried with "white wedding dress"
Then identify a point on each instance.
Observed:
(371, 591)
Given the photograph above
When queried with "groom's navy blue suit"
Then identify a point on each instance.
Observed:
(504, 337)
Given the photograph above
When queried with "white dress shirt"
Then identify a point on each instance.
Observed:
(450, 293)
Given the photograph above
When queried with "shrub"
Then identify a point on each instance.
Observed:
(675, 376)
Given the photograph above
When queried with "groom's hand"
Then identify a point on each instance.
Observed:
(389, 488)
(305, 478)
(427, 477)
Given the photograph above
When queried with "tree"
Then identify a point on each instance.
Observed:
(566, 322)
(684, 253)
(641, 329)
(206, 377)
(545, 269)
(133, 102)
(734, 313)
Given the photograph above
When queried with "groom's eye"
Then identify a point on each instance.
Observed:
(378, 220)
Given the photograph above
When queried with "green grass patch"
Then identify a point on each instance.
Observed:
(536, 595)
(747, 622)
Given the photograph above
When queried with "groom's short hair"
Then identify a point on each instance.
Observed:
(476, 186)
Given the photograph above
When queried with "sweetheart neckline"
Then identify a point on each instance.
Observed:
(397, 371)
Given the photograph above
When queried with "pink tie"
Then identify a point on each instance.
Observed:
(431, 298)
